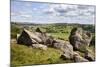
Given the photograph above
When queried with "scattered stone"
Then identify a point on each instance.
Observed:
(40, 46)
(79, 40)
(66, 48)
(87, 36)
(78, 58)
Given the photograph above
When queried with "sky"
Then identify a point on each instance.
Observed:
(38, 12)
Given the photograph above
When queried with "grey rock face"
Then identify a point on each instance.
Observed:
(28, 38)
(35, 39)
(66, 48)
(78, 58)
(79, 39)
(40, 46)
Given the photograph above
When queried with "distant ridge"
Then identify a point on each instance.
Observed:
(30, 23)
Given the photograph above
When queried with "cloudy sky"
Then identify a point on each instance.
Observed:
(36, 12)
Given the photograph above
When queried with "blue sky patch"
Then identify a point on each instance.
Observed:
(37, 12)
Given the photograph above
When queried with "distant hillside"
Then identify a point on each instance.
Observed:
(27, 23)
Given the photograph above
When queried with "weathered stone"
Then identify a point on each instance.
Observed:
(28, 38)
(40, 46)
(79, 39)
(66, 48)
(87, 36)
(78, 58)
(60, 41)
(37, 39)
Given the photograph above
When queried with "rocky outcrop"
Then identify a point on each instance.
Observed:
(28, 38)
(78, 58)
(79, 39)
(66, 48)
(87, 37)
(40, 46)
(35, 39)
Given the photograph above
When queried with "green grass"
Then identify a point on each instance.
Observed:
(23, 55)
(62, 36)
(91, 50)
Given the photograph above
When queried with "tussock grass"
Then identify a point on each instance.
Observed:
(23, 55)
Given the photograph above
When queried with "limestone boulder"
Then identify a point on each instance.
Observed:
(79, 39)
(66, 48)
(78, 58)
(40, 46)
(28, 38)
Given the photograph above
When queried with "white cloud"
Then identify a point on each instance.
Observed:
(70, 10)
(61, 9)
(71, 13)
(54, 12)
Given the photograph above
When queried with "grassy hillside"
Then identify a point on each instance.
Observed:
(23, 55)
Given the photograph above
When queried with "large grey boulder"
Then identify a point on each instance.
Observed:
(79, 39)
(66, 48)
(28, 38)
(87, 37)
(78, 58)
(37, 39)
